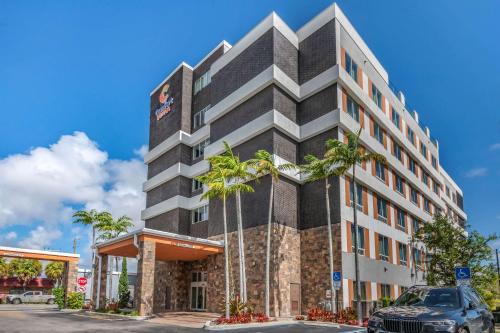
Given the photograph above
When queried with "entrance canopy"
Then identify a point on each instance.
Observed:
(14, 252)
(168, 246)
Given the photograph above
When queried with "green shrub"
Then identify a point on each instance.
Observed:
(59, 296)
(385, 301)
(75, 300)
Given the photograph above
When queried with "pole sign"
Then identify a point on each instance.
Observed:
(337, 280)
(462, 275)
(82, 281)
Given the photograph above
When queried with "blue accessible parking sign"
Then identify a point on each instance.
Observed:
(462, 275)
(337, 280)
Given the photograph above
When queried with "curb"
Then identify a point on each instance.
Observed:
(71, 310)
(226, 327)
(320, 323)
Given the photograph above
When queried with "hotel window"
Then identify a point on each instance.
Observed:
(401, 219)
(353, 108)
(403, 289)
(425, 178)
(199, 149)
(416, 256)
(351, 67)
(380, 170)
(413, 195)
(435, 186)
(202, 82)
(361, 240)
(402, 254)
(382, 209)
(400, 184)
(415, 225)
(197, 185)
(410, 134)
(434, 162)
(362, 286)
(378, 133)
(385, 290)
(199, 214)
(397, 152)
(377, 96)
(199, 117)
(383, 248)
(412, 165)
(198, 276)
(395, 118)
(359, 196)
(423, 150)
(427, 205)
(447, 191)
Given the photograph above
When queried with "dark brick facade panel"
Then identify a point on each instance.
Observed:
(205, 65)
(248, 64)
(285, 104)
(312, 195)
(176, 186)
(262, 141)
(286, 203)
(285, 147)
(180, 153)
(180, 116)
(199, 229)
(317, 105)
(251, 109)
(317, 52)
(176, 220)
(286, 56)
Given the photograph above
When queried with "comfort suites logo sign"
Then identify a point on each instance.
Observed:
(166, 102)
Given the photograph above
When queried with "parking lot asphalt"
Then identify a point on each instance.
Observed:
(44, 319)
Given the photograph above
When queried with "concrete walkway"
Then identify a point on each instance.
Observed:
(184, 319)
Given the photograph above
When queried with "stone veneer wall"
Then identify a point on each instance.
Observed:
(285, 269)
(315, 263)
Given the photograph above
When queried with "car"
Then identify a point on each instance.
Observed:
(424, 309)
(30, 297)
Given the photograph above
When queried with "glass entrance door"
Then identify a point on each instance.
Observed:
(198, 298)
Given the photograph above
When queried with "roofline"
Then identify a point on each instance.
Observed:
(152, 232)
(224, 43)
(52, 253)
(169, 76)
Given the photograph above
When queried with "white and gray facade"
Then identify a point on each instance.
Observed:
(288, 92)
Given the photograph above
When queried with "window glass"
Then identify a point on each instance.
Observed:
(398, 152)
(402, 253)
(378, 133)
(199, 117)
(427, 297)
(202, 82)
(423, 150)
(427, 205)
(351, 67)
(414, 195)
(400, 184)
(425, 178)
(383, 247)
(376, 96)
(382, 209)
(395, 118)
(199, 149)
(385, 290)
(359, 196)
(380, 170)
(411, 135)
(434, 162)
(401, 219)
(361, 239)
(353, 108)
(199, 214)
(197, 185)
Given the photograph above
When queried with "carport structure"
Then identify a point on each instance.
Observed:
(149, 246)
(70, 261)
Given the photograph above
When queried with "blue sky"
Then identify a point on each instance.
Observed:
(79, 73)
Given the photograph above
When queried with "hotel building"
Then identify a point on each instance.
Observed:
(287, 92)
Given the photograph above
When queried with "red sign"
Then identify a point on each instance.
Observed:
(82, 281)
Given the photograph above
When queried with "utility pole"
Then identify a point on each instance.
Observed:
(74, 244)
(498, 269)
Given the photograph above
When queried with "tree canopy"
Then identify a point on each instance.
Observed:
(449, 247)
(25, 269)
(4, 268)
(54, 271)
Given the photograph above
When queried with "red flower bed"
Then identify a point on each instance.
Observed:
(243, 318)
(316, 314)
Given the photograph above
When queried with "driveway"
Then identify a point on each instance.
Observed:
(44, 319)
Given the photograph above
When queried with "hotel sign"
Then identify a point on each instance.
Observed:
(166, 102)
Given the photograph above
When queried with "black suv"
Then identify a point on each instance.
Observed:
(423, 309)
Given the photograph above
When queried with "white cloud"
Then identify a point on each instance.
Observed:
(40, 238)
(11, 235)
(47, 184)
(141, 151)
(476, 172)
(495, 146)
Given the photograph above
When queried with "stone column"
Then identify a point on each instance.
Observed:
(144, 289)
(95, 284)
(70, 276)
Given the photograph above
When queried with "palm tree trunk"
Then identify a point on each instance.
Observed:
(268, 245)
(93, 262)
(356, 259)
(330, 243)
(226, 258)
(241, 248)
(110, 287)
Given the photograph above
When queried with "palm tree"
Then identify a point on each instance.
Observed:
(4, 268)
(218, 187)
(25, 270)
(55, 271)
(95, 219)
(264, 163)
(346, 156)
(316, 170)
(239, 174)
(111, 229)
